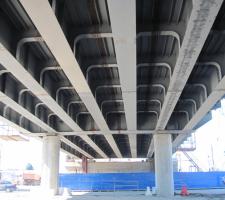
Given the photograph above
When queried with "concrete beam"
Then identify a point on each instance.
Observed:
(18, 108)
(126, 132)
(93, 145)
(123, 23)
(199, 25)
(68, 142)
(64, 56)
(69, 154)
(14, 67)
(151, 149)
(212, 99)
(198, 28)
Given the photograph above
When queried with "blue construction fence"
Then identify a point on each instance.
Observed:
(139, 181)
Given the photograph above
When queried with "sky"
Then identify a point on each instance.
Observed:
(210, 143)
(209, 153)
(16, 155)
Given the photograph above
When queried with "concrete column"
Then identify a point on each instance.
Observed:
(50, 165)
(163, 165)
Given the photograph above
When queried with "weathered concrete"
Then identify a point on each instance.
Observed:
(163, 165)
(50, 168)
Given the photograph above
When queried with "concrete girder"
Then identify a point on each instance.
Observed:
(52, 68)
(14, 67)
(89, 36)
(21, 120)
(166, 65)
(185, 112)
(203, 13)
(105, 86)
(5, 110)
(125, 49)
(125, 132)
(158, 85)
(28, 133)
(36, 108)
(139, 86)
(201, 85)
(151, 147)
(198, 27)
(53, 5)
(68, 142)
(151, 100)
(214, 97)
(49, 117)
(24, 41)
(193, 46)
(93, 145)
(85, 137)
(110, 35)
(71, 103)
(138, 101)
(156, 33)
(113, 145)
(61, 89)
(110, 101)
(69, 154)
(113, 112)
(192, 101)
(34, 119)
(215, 64)
(65, 57)
(4, 72)
(91, 67)
(20, 95)
(43, 71)
(81, 113)
(25, 113)
(30, 40)
(149, 111)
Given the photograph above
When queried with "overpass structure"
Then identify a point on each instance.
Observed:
(110, 78)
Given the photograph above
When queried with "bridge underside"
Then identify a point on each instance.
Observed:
(107, 75)
(110, 78)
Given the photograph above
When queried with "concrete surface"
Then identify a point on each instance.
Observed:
(163, 164)
(118, 167)
(34, 194)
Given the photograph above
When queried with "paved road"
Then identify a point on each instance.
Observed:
(33, 193)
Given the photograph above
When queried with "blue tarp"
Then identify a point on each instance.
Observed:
(139, 181)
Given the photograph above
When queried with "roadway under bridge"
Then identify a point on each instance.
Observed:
(110, 78)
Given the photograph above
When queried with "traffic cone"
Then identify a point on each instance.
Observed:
(184, 191)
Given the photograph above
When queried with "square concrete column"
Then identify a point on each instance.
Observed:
(50, 165)
(163, 165)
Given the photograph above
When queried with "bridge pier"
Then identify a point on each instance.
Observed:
(163, 165)
(50, 165)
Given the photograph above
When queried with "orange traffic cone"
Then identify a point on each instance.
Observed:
(184, 191)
